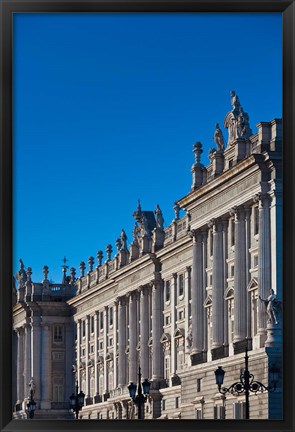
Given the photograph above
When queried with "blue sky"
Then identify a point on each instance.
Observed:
(107, 108)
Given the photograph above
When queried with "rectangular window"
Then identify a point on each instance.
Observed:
(167, 368)
(219, 412)
(101, 320)
(92, 324)
(111, 342)
(92, 348)
(199, 380)
(232, 225)
(83, 328)
(167, 291)
(181, 315)
(210, 280)
(111, 316)
(232, 271)
(177, 402)
(256, 220)
(101, 345)
(163, 404)
(180, 285)
(167, 319)
(198, 414)
(83, 352)
(57, 392)
(58, 333)
(239, 410)
(255, 261)
(230, 163)
(211, 242)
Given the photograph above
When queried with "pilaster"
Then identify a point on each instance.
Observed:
(132, 297)
(144, 331)
(157, 328)
(122, 342)
(217, 286)
(46, 378)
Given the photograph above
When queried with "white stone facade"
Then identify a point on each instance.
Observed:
(180, 302)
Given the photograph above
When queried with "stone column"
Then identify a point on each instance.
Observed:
(78, 352)
(225, 276)
(205, 256)
(157, 329)
(144, 332)
(27, 360)
(69, 343)
(264, 262)
(173, 299)
(96, 332)
(105, 350)
(87, 388)
(115, 335)
(240, 285)
(197, 294)
(46, 378)
(36, 356)
(187, 290)
(248, 266)
(217, 286)
(21, 355)
(132, 337)
(122, 342)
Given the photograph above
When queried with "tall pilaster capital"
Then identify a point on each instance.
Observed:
(121, 301)
(261, 199)
(174, 275)
(211, 223)
(188, 270)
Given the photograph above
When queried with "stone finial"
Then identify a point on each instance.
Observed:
(176, 209)
(64, 269)
(90, 263)
(73, 275)
(99, 256)
(138, 212)
(29, 274)
(218, 138)
(109, 250)
(82, 268)
(123, 239)
(198, 151)
(159, 217)
(45, 272)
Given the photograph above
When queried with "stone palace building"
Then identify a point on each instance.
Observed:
(180, 301)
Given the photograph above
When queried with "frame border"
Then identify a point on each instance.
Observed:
(7, 8)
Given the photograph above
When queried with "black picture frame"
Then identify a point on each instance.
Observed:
(7, 8)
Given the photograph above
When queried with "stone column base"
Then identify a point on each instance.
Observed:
(219, 352)
(198, 358)
(274, 335)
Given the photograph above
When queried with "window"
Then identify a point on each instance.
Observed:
(92, 324)
(230, 163)
(210, 280)
(167, 368)
(255, 261)
(163, 404)
(199, 380)
(239, 410)
(111, 316)
(181, 315)
(83, 328)
(180, 285)
(198, 414)
(91, 348)
(167, 319)
(91, 387)
(177, 402)
(58, 333)
(111, 342)
(101, 320)
(232, 225)
(232, 271)
(101, 345)
(256, 220)
(211, 242)
(219, 412)
(167, 291)
(58, 388)
(83, 352)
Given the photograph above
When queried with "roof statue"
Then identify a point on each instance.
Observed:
(218, 138)
(159, 217)
(123, 238)
(237, 121)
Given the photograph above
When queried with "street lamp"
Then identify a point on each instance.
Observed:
(77, 401)
(143, 390)
(31, 405)
(247, 383)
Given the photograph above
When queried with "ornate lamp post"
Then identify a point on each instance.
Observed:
(31, 405)
(143, 390)
(77, 401)
(246, 383)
